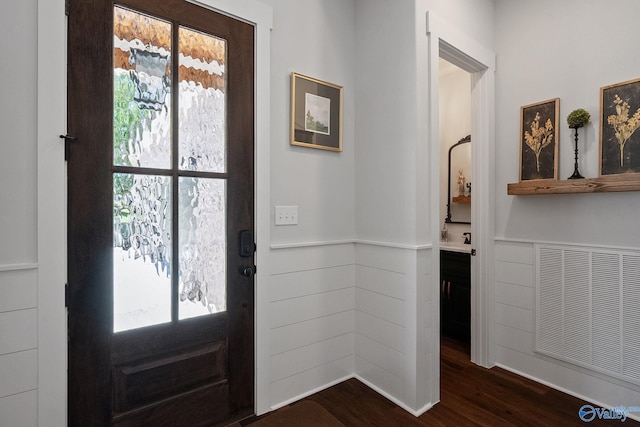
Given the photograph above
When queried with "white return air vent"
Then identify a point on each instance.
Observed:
(588, 308)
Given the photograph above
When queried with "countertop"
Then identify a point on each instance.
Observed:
(455, 247)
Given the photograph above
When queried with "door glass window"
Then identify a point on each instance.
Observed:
(202, 101)
(202, 246)
(142, 90)
(150, 287)
(141, 250)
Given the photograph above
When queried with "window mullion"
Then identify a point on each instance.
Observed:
(175, 68)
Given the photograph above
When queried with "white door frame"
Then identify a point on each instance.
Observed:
(51, 216)
(447, 42)
(51, 199)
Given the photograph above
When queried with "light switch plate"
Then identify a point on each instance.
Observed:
(286, 215)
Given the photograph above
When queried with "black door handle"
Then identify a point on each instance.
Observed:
(248, 270)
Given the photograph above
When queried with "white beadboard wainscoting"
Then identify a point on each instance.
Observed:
(18, 345)
(311, 312)
(393, 323)
(340, 310)
(515, 329)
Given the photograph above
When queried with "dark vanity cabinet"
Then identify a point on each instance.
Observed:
(455, 295)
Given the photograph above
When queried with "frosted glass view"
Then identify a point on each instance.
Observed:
(142, 86)
(143, 239)
(202, 142)
(202, 248)
(141, 250)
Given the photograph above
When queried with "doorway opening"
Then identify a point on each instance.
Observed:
(456, 172)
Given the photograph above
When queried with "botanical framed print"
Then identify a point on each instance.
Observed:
(539, 140)
(316, 113)
(619, 135)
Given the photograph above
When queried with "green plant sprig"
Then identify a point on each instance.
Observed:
(578, 118)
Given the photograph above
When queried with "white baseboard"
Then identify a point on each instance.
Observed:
(415, 413)
(634, 416)
(310, 392)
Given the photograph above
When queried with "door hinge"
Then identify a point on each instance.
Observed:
(67, 6)
(67, 145)
(66, 295)
(473, 252)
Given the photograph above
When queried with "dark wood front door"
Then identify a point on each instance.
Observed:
(160, 213)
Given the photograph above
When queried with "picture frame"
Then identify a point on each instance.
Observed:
(539, 140)
(619, 145)
(316, 113)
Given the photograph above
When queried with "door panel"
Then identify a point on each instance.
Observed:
(160, 186)
(140, 384)
(188, 409)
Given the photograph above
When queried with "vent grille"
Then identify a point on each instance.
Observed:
(588, 308)
(631, 317)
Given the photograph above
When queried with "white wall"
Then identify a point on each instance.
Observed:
(314, 38)
(387, 203)
(549, 49)
(394, 271)
(386, 121)
(566, 50)
(18, 251)
(311, 284)
(17, 121)
(472, 17)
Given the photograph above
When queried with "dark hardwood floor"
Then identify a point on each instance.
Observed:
(470, 396)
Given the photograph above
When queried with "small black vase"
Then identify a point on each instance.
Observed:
(576, 173)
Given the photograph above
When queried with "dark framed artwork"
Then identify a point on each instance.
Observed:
(316, 113)
(619, 134)
(539, 140)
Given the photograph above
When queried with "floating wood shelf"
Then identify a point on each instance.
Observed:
(461, 199)
(607, 184)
